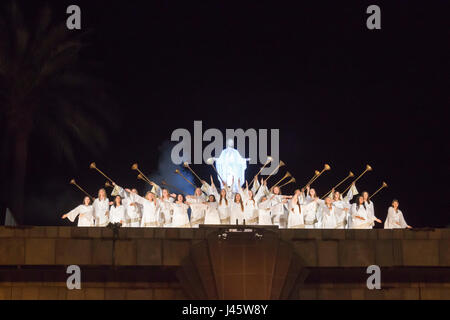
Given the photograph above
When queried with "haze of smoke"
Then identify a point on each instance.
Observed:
(166, 171)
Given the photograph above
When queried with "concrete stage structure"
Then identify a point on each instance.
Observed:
(219, 262)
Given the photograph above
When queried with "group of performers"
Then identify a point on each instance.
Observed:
(255, 205)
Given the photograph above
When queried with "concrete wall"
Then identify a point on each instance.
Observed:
(23, 250)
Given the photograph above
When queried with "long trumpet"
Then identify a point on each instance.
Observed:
(93, 166)
(286, 183)
(349, 176)
(186, 165)
(326, 167)
(384, 185)
(169, 185)
(180, 174)
(76, 185)
(143, 176)
(269, 160)
(108, 185)
(287, 175)
(279, 166)
(316, 173)
(368, 168)
(210, 161)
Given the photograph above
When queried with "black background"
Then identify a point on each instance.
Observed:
(339, 93)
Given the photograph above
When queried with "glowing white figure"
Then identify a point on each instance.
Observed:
(231, 167)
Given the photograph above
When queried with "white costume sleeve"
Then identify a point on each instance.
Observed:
(351, 193)
(244, 194)
(72, 215)
(402, 220)
(258, 194)
(206, 188)
(255, 187)
(214, 192)
(389, 222)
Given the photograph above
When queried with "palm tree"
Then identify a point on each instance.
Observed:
(43, 90)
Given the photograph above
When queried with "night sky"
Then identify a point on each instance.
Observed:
(339, 93)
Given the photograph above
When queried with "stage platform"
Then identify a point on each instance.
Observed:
(222, 262)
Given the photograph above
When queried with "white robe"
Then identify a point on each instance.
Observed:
(328, 217)
(371, 212)
(150, 211)
(197, 210)
(116, 214)
(236, 213)
(264, 214)
(85, 215)
(395, 219)
(363, 213)
(224, 206)
(278, 210)
(342, 213)
(101, 208)
(212, 213)
(133, 210)
(311, 214)
(295, 218)
(165, 206)
(250, 207)
(180, 217)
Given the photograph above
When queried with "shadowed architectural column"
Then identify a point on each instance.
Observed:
(242, 263)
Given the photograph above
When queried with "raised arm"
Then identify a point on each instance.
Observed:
(72, 215)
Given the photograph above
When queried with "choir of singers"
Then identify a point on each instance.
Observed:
(257, 205)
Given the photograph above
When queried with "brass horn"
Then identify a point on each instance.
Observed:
(326, 167)
(316, 173)
(144, 178)
(186, 165)
(141, 175)
(210, 161)
(108, 185)
(76, 185)
(279, 166)
(384, 185)
(93, 166)
(166, 184)
(269, 160)
(286, 183)
(368, 168)
(180, 174)
(349, 176)
(287, 175)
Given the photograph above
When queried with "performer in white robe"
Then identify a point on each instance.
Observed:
(311, 211)
(84, 212)
(250, 205)
(328, 215)
(224, 202)
(180, 217)
(101, 209)
(212, 215)
(195, 202)
(371, 208)
(117, 211)
(342, 211)
(295, 218)
(150, 209)
(231, 166)
(264, 214)
(237, 210)
(133, 210)
(165, 205)
(361, 218)
(278, 203)
(395, 219)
